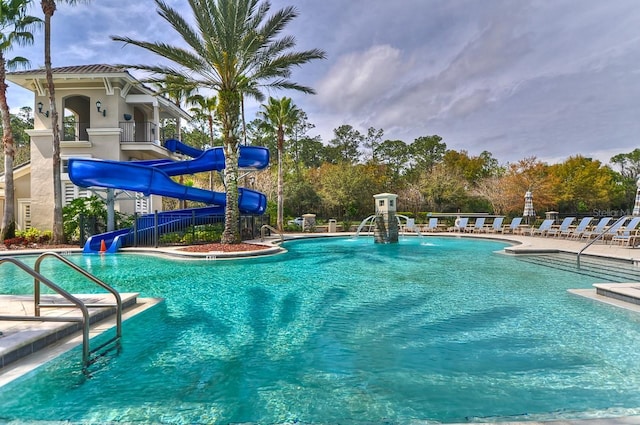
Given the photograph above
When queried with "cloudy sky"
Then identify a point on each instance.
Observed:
(548, 78)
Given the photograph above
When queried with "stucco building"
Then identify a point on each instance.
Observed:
(104, 112)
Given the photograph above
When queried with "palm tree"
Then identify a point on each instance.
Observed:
(280, 115)
(204, 108)
(49, 8)
(234, 49)
(176, 89)
(15, 26)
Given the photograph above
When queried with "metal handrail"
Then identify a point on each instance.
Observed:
(273, 229)
(600, 236)
(116, 295)
(74, 300)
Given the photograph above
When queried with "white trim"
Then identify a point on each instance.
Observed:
(70, 192)
(142, 204)
(39, 133)
(107, 86)
(124, 91)
(141, 98)
(39, 87)
(104, 131)
(75, 144)
(23, 219)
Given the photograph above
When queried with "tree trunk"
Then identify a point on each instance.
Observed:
(48, 7)
(7, 230)
(229, 110)
(280, 220)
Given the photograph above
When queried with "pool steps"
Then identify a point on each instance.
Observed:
(620, 279)
(22, 338)
(606, 270)
(626, 292)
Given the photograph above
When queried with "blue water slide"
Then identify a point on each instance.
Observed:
(154, 177)
(250, 157)
(86, 172)
(177, 146)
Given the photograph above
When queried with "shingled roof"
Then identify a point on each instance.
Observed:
(77, 69)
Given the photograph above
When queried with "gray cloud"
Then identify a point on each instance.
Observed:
(550, 79)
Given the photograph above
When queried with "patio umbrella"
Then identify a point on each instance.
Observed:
(636, 206)
(528, 206)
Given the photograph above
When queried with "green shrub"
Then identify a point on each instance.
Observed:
(34, 235)
(171, 238)
(87, 207)
(193, 235)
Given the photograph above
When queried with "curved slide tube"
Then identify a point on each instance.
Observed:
(154, 177)
(152, 180)
(250, 157)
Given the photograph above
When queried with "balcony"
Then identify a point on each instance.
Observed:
(75, 131)
(143, 132)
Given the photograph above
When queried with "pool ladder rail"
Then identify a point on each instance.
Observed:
(267, 228)
(600, 236)
(73, 302)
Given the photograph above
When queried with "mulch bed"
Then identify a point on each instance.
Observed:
(237, 247)
(43, 247)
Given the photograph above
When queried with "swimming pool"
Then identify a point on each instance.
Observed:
(346, 331)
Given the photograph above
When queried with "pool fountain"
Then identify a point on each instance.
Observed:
(386, 223)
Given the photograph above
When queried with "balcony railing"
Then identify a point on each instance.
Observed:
(143, 132)
(138, 132)
(75, 131)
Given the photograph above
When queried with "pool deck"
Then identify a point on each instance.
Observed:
(25, 345)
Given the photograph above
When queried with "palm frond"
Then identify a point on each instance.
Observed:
(281, 84)
(18, 62)
(182, 27)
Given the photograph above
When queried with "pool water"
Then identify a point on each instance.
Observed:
(344, 331)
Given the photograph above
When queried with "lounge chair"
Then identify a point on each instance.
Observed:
(513, 227)
(602, 224)
(496, 226)
(580, 228)
(477, 226)
(563, 229)
(543, 229)
(627, 234)
(432, 226)
(612, 230)
(461, 224)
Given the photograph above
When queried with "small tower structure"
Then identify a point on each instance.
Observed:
(386, 223)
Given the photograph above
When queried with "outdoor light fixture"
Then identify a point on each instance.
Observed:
(40, 106)
(100, 110)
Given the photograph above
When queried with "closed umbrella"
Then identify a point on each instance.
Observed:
(528, 206)
(636, 206)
